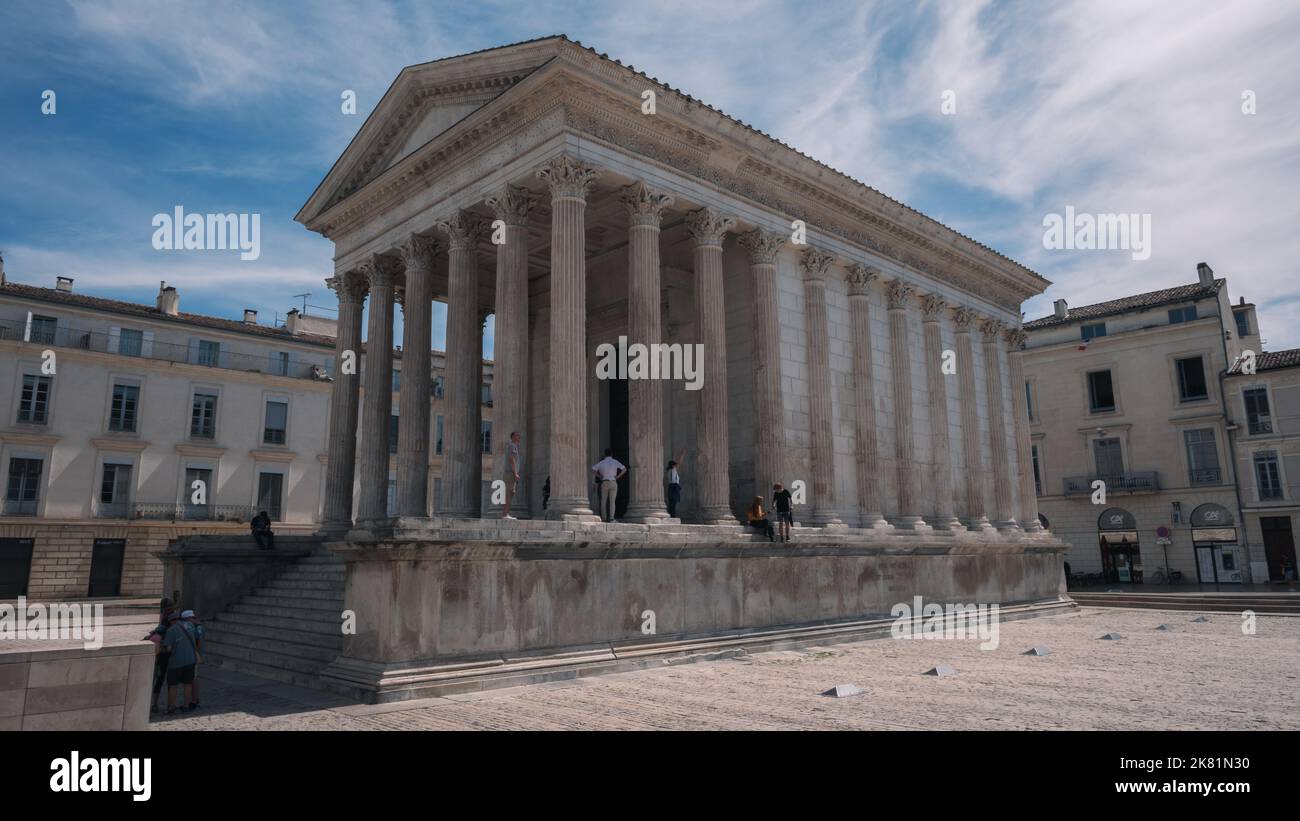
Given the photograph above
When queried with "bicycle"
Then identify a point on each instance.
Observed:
(1161, 577)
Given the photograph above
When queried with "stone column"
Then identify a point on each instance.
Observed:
(464, 355)
(344, 401)
(932, 309)
(569, 180)
(973, 509)
(900, 357)
(381, 272)
(814, 264)
(765, 361)
(1024, 458)
(510, 351)
(864, 405)
(1004, 519)
(712, 472)
(413, 409)
(645, 396)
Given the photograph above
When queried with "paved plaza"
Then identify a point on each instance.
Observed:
(1206, 676)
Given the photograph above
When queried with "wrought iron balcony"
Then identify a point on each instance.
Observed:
(1207, 476)
(1145, 482)
(173, 512)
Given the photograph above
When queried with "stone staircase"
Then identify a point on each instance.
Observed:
(288, 629)
(1281, 603)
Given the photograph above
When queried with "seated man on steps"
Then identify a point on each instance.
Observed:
(261, 527)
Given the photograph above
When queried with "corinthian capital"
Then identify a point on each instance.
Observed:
(380, 271)
(567, 177)
(512, 204)
(963, 317)
(1016, 338)
(761, 246)
(707, 226)
(814, 263)
(645, 206)
(932, 306)
(418, 252)
(900, 293)
(349, 286)
(991, 329)
(860, 278)
(462, 228)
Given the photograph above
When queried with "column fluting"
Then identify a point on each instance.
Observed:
(815, 263)
(345, 400)
(417, 254)
(377, 405)
(464, 355)
(765, 360)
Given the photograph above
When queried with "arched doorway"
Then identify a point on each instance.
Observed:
(1214, 536)
(1121, 554)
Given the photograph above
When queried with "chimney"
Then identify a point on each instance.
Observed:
(63, 284)
(1060, 308)
(1205, 274)
(250, 316)
(169, 302)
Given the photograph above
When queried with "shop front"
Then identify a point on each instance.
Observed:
(1214, 536)
(1121, 555)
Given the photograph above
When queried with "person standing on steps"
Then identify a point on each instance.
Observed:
(608, 471)
(784, 509)
(674, 481)
(513, 465)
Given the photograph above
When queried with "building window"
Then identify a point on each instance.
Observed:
(43, 329)
(1258, 419)
(485, 395)
(279, 363)
(1191, 379)
(392, 497)
(126, 402)
(203, 416)
(1243, 323)
(1177, 315)
(277, 422)
(1108, 458)
(437, 447)
(1268, 476)
(1038, 476)
(1202, 457)
(23, 490)
(485, 437)
(34, 403)
(1101, 392)
(438, 383)
(270, 492)
(209, 353)
(196, 502)
(115, 490)
(392, 433)
(1029, 401)
(1093, 331)
(130, 342)
(397, 380)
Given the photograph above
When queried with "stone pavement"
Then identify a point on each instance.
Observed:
(1198, 676)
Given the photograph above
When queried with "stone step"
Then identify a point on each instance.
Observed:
(315, 571)
(271, 617)
(306, 668)
(287, 595)
(242, 633)
(278, 604)
(324, 615)
(269, 671)
(312, 652)
(281, 583)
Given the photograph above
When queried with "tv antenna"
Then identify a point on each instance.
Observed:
(304, 301)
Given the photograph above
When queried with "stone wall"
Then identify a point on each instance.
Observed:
(76, 689)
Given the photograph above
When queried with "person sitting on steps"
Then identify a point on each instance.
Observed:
(758, 519)
(261, 527)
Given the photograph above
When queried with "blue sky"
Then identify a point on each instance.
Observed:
(1111, 107)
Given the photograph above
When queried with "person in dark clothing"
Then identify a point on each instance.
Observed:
(784, 509)
(261, 527)
(757, 518)
(546, 492)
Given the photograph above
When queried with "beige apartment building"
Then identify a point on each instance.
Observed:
(1264, 409)
(1127, 396)
(113, 410)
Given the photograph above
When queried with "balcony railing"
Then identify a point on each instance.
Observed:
(1206, 476)
(1259, 423)
(68, 337)
(1146, 482)
(113, 510)
(172, 512)
(13, 507)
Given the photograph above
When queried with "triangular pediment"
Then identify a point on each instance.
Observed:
(423, 102)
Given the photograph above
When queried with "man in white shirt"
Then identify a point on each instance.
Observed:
(608, 471)
(514, 462)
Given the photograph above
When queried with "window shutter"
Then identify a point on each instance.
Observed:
(114, 339)
(146, 344)
(193, 357)
(27, 332)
